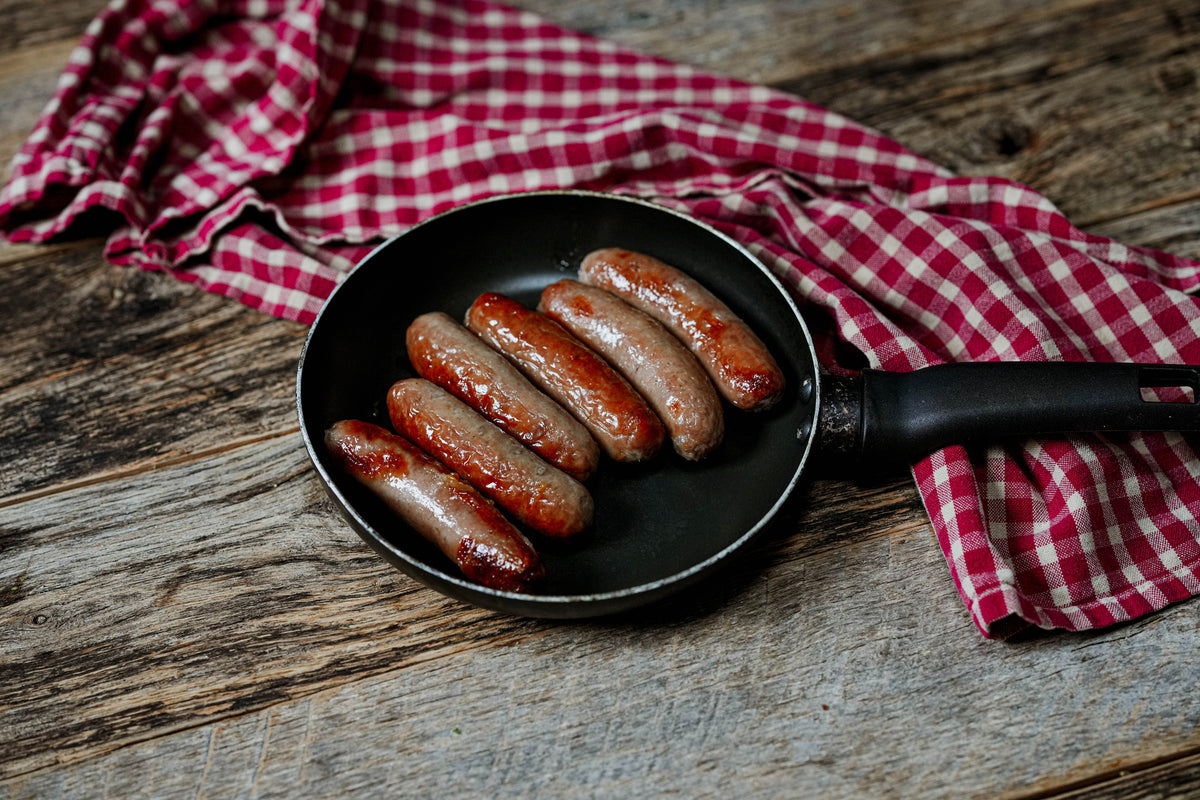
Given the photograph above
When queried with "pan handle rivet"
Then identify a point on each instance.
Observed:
(806, 390)
(803, 431)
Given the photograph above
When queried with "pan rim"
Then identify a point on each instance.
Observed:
(531, 602)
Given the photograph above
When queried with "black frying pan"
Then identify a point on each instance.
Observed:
(666, 524)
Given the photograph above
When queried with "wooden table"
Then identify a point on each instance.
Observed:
(184, 614)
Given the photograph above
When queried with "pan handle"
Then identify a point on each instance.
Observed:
(907, 415)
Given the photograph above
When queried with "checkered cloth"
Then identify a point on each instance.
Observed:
(258, 148)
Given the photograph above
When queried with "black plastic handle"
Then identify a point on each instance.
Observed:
(910, 414)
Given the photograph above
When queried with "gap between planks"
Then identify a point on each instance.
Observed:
(151, 465)
(504, 637)
(332, 686)
(1118, 780)
(17, 254)
(1160, 204)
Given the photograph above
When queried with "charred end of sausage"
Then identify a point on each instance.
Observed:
(737, 360)
(499, 568)
(437, 504)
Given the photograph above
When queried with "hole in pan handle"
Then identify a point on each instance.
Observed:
(906, 415)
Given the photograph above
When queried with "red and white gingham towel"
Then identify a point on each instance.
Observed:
(259, 148)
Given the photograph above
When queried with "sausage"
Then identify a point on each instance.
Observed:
(735, 358)
(438, 504)
(569, 371)
(649, 357)
(456, 359)
(535, 493)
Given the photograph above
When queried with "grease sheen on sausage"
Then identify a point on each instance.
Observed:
(443, 351)
(735, 358)
(537, 494)
(572, 373)
(649, 356)
(438, 504)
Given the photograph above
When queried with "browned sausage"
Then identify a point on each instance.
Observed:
(649, 356)
(438, 504)
(572, 373)
(735, 358)
(456, 359)
(537, 494)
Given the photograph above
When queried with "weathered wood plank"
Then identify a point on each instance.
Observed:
(1177, 778)
(189, 594)
(129, 368)
(770, 41)
(267, 648)
(186, 615)
(27, 81)
(1172, 229)
(142, 606)
(24, 24)
(1094, 104)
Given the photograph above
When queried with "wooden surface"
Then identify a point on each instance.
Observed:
(182, 612)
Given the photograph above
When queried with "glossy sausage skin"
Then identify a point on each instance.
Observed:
(735, 358)
(649, 356)
(573, 374)
(535, 493)
(437, 504)
(443, 351)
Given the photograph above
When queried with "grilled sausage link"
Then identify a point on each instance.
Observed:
(735, 358)
(438, 504)
(573, 374)
(650, 358)
(443, 351)
(537, 494)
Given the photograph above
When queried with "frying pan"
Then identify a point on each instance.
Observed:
(666, 524)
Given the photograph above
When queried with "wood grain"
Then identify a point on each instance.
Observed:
(771, 41)
(1171, 228)
(282, 592)
(27, 81)
(270, 649)
(1094, 105)
(131, 369)
(146, 621)
(1177, 778)
(24, 24)
(182, 612)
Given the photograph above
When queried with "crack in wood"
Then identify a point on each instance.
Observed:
(141, 468)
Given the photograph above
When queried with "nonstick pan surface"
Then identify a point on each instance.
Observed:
(659, 526)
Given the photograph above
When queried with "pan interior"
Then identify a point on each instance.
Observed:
(654, 521)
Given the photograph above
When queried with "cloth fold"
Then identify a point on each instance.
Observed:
(259, 148)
